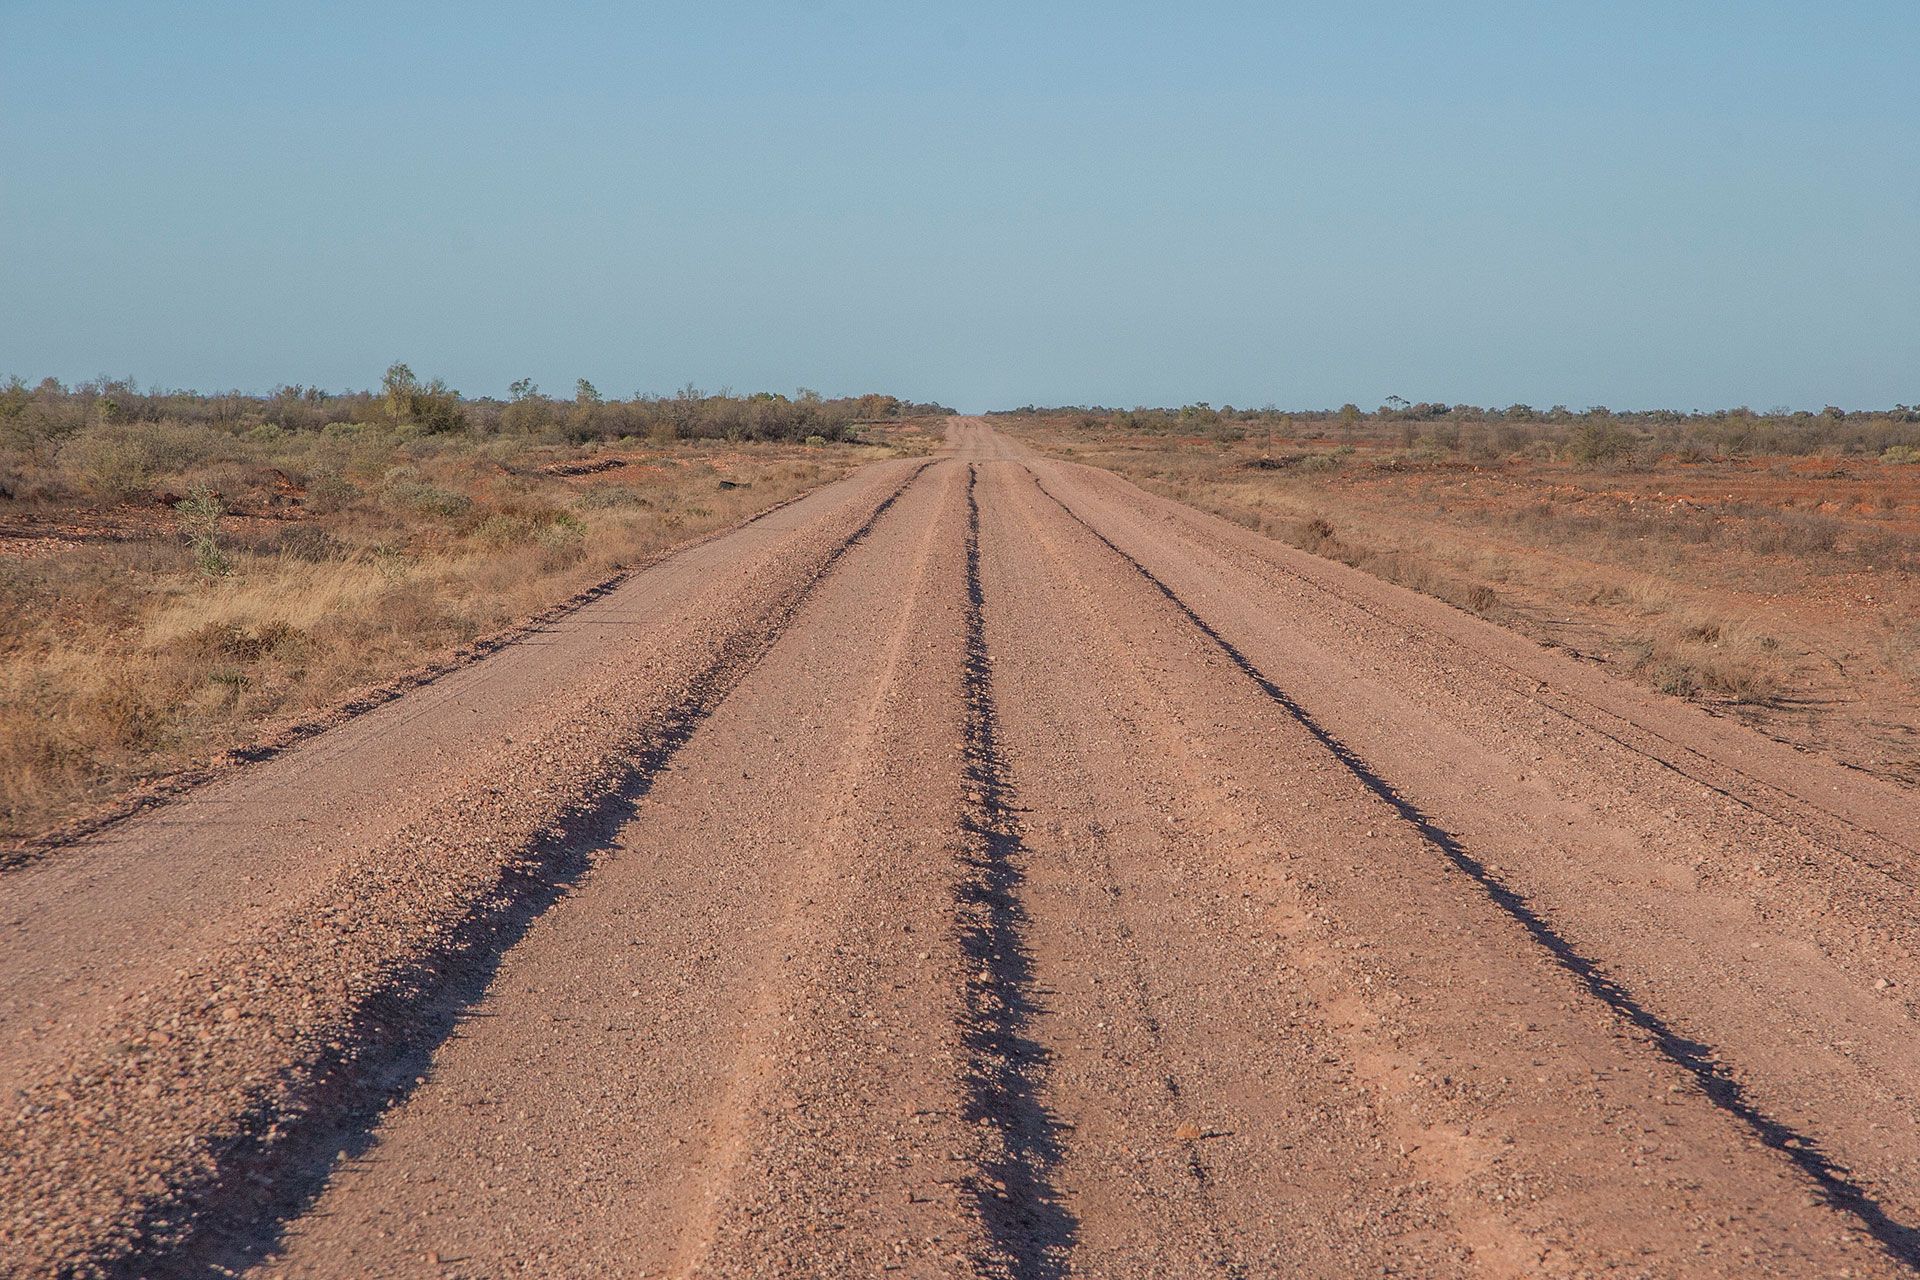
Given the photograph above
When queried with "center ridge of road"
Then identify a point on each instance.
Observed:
(981, 867)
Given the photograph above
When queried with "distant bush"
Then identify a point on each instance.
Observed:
(1603, 440)
(329, 492)
(432, 405)
(1434, 431)
(121, 461)
(119, 418)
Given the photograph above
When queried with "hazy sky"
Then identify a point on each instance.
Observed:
(1633, 204)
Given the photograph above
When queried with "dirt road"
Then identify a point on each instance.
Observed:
(981, 867)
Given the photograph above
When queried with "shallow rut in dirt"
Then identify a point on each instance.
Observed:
(1006, 1072)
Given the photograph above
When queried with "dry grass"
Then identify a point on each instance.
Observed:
(1782, 590)
(352, 557)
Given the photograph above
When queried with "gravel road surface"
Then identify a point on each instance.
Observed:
(981, 867)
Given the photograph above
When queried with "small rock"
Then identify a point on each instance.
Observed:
(1187, 1132)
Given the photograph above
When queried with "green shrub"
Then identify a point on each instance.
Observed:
(114, 463)
(432, 406)
(199, 515)
(1601, 441)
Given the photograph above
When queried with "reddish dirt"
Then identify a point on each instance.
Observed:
(982, 867)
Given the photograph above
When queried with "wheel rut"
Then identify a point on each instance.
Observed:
(1031, 1229)
(754, 1004)
(1192, 1112)
(732, 1113)
(1770, 929)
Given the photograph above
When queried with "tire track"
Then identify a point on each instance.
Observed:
(735, 1110)
(1031, 1229)
(1697, 1058)
(822, 922)
(1199, 1203)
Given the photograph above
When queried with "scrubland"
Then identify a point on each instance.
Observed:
(186, 576)
(1763, 565)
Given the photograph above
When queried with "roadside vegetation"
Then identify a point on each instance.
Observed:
(183, 573)
(1765, 565)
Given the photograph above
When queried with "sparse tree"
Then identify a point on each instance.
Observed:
(400, 387)
(527, 410)
(433, 405)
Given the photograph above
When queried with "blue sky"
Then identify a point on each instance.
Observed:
(1636, 204)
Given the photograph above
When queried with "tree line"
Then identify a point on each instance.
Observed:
(1595, 434)
(50, 410)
